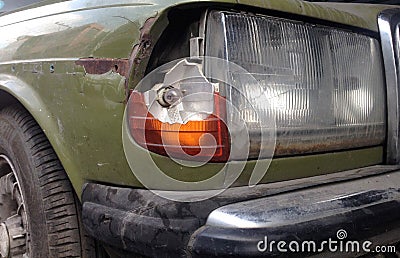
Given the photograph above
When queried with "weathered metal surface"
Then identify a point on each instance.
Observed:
(132, 218)
(362, 209)
(141, 51)
(104, 65)
(81, 111)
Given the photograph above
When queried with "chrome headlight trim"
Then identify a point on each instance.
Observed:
(389, 22)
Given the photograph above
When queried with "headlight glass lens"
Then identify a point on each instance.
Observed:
(325, 85)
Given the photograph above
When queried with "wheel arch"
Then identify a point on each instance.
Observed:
(16, 91)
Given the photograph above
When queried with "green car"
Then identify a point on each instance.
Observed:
(199, 128)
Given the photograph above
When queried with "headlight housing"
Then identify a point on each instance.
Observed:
(275, 85)
(325, 85)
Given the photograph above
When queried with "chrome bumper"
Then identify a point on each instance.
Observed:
(366, 209)
(308, 205)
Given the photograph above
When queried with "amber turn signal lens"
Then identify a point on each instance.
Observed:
(198, 140)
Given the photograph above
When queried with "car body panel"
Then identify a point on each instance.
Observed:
(82, 113)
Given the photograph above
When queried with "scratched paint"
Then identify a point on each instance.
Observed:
(81, 110)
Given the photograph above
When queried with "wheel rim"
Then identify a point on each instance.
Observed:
(13, 218)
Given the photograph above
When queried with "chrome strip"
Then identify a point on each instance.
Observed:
(388, 21)
(309, 204)
(39, 61)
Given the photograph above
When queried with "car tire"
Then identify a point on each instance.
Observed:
(39, 211)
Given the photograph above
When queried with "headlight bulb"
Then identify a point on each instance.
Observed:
(169, 96)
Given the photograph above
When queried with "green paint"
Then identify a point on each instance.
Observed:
(279, 169)
(82, 114)
(299, 167)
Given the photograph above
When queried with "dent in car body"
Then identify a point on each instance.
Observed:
(81, 113)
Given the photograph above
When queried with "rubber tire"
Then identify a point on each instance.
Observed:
(53, 211)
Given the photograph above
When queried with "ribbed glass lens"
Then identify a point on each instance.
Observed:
(325, 86)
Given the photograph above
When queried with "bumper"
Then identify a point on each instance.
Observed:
(234, 223)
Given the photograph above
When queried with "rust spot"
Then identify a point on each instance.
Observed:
(307, 147)
(129, 68)
(142, 50)
(103, 65)
(148, 24)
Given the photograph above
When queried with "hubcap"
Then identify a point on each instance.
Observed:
(13, 219)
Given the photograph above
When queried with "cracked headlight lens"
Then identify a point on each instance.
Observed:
(325, 85)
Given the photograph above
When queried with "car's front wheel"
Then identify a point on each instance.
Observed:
(39, 213)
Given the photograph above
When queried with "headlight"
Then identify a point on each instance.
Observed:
(325, 85)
